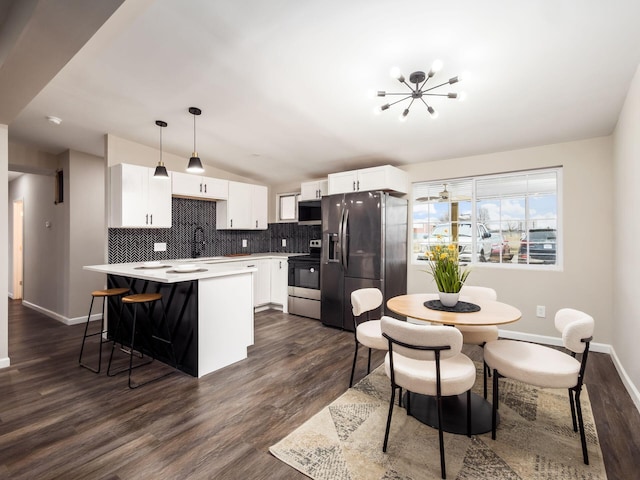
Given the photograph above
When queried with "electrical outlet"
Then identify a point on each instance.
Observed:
(540, 311)
(244, 243)
(284, 242)
(160, 247)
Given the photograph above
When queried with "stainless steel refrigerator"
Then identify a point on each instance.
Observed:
(364, 244)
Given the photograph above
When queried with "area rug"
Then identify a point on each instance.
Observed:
(535, 439)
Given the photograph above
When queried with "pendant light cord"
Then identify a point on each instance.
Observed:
(194, 133)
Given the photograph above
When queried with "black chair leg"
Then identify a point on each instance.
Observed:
(369, 362)
(386, 432)
(573, 410)
(443, 467)
(468, 413)
(583, 437)
(353, 367)
(494, 402)
(485, 371)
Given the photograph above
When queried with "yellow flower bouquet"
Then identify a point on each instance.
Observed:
(445, 268)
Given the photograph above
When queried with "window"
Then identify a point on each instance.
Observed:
(506, 219)
(288, 207)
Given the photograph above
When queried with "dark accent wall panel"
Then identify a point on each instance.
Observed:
(136, 244)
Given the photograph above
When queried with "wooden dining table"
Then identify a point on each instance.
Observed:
(454, 408)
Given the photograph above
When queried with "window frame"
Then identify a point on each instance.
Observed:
(279, 198)
(475, 201)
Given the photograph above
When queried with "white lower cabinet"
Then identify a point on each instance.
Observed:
(261, 280)
(279, 282)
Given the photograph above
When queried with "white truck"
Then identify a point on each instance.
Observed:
(442, 234)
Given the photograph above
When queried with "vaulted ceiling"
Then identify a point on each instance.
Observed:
(284, 85)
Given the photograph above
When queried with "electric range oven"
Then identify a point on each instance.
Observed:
(304, 282)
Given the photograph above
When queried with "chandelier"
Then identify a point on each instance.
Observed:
(419, 92)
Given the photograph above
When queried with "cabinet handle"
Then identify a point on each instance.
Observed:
(205, 188)
(251, 266)
(358, 184)
(256, 223)
(146, 219)
(231, 222)
(151, 219)
(354, 185)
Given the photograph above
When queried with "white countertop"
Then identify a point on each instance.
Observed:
(164, 270)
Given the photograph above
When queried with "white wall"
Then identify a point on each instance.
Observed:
(43, 252)
(4, 246)
(119, 150)
(585, 279)
(84, 199)
(624, 261)
(54, 282)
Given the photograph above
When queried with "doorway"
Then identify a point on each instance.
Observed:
(18, 240)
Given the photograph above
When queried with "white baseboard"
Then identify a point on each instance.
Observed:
(631, 388)
(61, 318)
(5, 362)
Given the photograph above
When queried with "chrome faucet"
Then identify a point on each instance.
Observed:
(198, 244)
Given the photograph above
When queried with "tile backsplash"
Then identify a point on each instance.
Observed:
(136, 244)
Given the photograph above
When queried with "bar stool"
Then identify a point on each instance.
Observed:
(109, 292)
(141, 299)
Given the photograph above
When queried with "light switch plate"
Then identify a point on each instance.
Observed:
(244, 243)
(284, 242)
(160, 247)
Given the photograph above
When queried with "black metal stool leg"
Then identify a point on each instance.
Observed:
(84, 337)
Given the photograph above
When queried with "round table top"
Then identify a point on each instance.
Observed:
(491, 313)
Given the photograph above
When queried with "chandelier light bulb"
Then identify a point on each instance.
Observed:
(403, 117)
(436, 66)
(395, 72)
(433, 113)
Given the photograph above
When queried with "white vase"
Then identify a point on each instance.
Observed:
(449, 299)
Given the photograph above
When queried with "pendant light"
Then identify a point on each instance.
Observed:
(195, 165)
(161, 170)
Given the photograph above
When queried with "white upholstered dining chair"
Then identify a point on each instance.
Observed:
(481, 334)
(546, 367)
(366, 331)
(426, 359)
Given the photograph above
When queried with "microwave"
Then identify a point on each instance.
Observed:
(310, 212)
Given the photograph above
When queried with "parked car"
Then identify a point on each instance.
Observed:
(442, 234)
(538, 246)
(500, 249)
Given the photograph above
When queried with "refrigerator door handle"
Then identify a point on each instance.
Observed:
(344, 245)
(339, 239)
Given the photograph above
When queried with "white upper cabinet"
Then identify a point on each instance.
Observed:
(385, 177)
(244, 209)
(314, 190)
(259, 200)
(138, 199)
(195, 186)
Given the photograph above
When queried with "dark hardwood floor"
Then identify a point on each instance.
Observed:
(60, 421)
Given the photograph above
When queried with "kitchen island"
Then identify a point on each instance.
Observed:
(209, 309)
